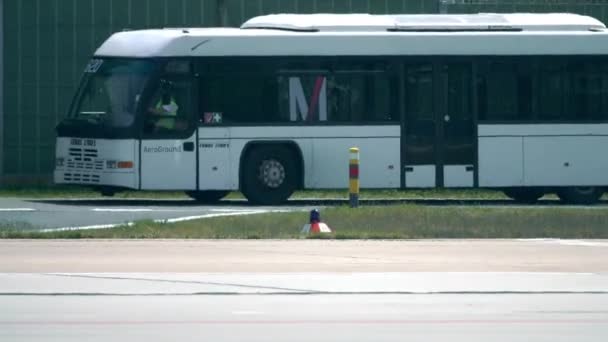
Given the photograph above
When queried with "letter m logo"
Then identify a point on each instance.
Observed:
(312, 109)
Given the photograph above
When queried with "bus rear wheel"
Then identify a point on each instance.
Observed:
(580, 195)
(269, 175)
(207, 196)
(524, 195)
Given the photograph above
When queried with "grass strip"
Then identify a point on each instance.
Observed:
(374, 222)
(63, 191)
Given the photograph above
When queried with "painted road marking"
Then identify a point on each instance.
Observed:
(16, 209)
(99, 226)
(241, 213)
(247, 313)
(173, 220)
(141, 210)
(122, 210)
(566, 242)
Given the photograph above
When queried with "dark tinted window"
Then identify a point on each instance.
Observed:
(543, 89)
(323, 90)
(243, 98)
(573, 90)
(504, 90)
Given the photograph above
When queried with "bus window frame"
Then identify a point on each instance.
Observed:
(150, 91)
(280, 66)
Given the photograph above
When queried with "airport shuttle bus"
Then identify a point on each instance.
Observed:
(514, 102)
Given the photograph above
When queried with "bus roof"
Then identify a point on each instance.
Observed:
(365, 35)
(426, 22)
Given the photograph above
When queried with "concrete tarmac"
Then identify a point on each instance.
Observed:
(304, 290)
(305, 307)
(303, 256)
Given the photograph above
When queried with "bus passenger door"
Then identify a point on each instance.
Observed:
(419, 141)
(456, 125)
(169, 140)
(438, 131)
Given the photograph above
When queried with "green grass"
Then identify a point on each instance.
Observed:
(83, 192)
(374, 222)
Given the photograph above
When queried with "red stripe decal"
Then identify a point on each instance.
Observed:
(314, 101)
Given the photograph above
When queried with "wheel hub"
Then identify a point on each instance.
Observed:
(272, 173)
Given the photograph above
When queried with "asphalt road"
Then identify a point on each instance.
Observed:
(85, 214)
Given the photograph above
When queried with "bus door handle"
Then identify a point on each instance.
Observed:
(189, 146)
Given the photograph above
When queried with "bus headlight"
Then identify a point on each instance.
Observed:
(125, 164)
(113, 164)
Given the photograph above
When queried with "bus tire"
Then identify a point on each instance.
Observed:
(524, 195)
(580, 195)
(107, 191)
(269, 175)
(207, 196)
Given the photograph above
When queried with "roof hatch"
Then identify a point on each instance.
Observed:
(426, 22)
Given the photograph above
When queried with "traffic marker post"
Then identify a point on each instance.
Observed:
(353, 176)
(315, 226)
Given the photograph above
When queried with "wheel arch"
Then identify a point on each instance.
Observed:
(290, 144)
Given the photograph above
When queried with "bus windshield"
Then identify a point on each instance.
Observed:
(111, 91)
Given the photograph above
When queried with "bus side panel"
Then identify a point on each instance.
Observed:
(325, 152)
(566, 161)
(379, 148)
(543, 155)
(501, 161)
(379, 164)
(216, 171)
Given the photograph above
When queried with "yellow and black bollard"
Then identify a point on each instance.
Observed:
(353, 173)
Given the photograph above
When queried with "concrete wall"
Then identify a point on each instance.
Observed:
(1, 89)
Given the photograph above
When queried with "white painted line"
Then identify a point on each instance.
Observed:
(173, 220)
(219, 210)
(247, 313)
(242, 213)
(583, 243)
(140, 210)
(568, 242)
(99, 226)
(17, 209)
(121, 210)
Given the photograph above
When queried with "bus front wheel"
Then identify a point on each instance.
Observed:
(580, 195)
(207, 196)
(524, 195)
(269, 175)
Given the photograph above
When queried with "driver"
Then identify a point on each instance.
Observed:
(165, 110)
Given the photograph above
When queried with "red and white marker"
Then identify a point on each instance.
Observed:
(315, 226)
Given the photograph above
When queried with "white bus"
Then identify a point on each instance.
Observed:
(514, 102)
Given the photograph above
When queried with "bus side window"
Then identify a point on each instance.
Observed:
(504, 91)
(170, 107)
(240, 98)
(351, 95)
